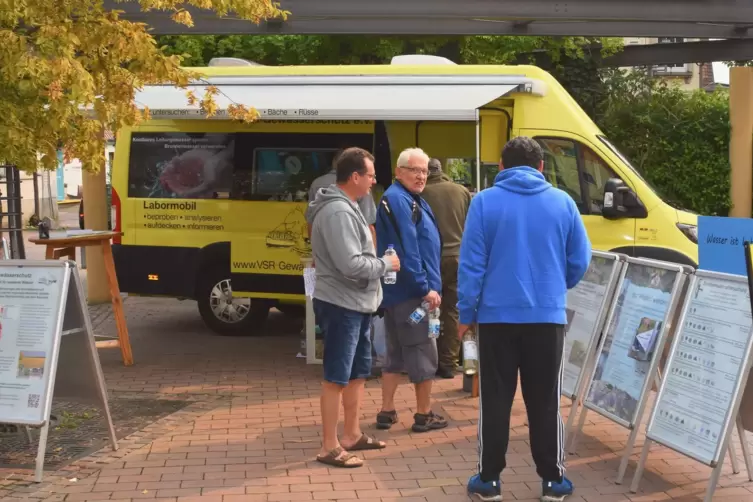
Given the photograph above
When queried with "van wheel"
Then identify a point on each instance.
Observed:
(226, 314)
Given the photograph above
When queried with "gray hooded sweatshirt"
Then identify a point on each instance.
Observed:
(348, 271)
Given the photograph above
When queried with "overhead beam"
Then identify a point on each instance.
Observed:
(688, 52)
(639, 18)
(663, 54)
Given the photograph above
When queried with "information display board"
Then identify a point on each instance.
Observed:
(31, 304)
(46, 346)
(587, 306)
(639, 321)
(637, 328)
(707, 362)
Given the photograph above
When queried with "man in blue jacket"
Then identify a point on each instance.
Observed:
(406, 221)
(524, 246)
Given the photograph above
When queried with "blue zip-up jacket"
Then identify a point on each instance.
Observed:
(421, 247)
(523, 247)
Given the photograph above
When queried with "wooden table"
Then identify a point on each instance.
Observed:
(66, 247)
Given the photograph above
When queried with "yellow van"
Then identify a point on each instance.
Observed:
(213, 209)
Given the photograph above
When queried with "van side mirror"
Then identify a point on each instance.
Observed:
(621, 202)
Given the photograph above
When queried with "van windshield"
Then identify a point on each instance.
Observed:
(624, 159)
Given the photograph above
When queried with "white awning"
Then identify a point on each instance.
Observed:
(403, 99)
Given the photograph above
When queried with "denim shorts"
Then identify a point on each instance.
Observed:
(347, 342)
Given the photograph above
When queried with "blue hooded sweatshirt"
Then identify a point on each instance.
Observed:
(523, 247)
(419, 245)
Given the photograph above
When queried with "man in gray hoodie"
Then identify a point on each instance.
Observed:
(347, 293)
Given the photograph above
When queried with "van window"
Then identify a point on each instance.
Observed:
(561, 167)
(287, 174)
(595, 174)
(180, 165)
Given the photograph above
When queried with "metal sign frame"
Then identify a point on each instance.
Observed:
(652, 374)
(579, 389)
(71, 300)
(730, 419)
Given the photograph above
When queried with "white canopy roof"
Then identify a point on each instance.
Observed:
(450, 97)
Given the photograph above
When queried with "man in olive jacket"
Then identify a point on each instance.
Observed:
(449, 202)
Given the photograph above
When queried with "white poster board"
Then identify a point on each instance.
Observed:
(628, 355)
(706, 365)
(31, 303)
(698, 404)
(637, 328)
(46, 346)
(587, 306)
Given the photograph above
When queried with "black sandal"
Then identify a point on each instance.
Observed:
(429, 422)
(386, 419)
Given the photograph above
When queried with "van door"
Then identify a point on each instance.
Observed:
(572, 166)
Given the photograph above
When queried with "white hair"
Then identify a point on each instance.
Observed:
(403, 160)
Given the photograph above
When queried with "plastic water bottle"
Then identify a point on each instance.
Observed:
(470, 354)
(391, 276)
(434, 324)
(418, 315)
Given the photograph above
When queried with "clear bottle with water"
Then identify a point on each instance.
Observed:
(391, 276)
(470, 354)
(434, 324)
(418, 315)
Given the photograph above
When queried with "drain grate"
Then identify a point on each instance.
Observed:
(81, 430)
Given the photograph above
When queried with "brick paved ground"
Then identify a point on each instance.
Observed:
(252, 433)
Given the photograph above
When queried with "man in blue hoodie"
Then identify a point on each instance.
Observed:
(524, 246)
(406, 221)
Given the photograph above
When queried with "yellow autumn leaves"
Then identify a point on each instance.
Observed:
(60, 58)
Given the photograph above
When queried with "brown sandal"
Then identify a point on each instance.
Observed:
(340, 458)
(366, 442)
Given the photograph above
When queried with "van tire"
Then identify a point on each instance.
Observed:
(252, 313)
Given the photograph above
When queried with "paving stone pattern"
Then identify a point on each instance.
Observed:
(252, 431)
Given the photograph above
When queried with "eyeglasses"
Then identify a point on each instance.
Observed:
(416, 170)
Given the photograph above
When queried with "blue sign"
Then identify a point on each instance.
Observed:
(720, 243)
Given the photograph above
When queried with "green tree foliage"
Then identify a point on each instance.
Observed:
(678, 140)
(346, 49)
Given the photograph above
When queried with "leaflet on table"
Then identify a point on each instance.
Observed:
(707, 361)
(29, 302)
(630, 344)
(583, 304)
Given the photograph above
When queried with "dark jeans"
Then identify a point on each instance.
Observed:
(347, 343)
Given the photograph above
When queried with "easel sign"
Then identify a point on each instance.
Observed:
(45, 327)
(628, 355)
(587, 307)
(697, 406)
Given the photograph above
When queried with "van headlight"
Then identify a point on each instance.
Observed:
(690, 231)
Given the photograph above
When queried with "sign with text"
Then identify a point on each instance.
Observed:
(586, 306)
(46, 346)
(720, 243)
(634, 339)
(703, 374)
(30, 304)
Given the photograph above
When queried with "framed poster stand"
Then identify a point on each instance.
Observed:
(627, 358)
(587, 307)
(697, 407)
(46, 346)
